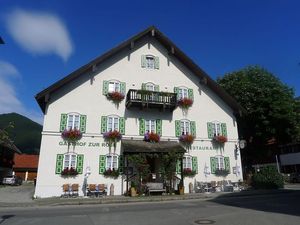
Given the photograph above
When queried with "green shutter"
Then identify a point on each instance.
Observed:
(63, 122)
(213, 165)
(121, 164)
(105, 87)
(156, 87)
(103, 124)
(82, 123)
(159, 127)
(195, 164)
(177, 128)
(122, 125)
(102, 162)
(224, 129)
(123, 87)
(176, 91)
(143, 61)
(210, 131)
(79, 166)
(156, 62)
(227, 164)
(191, 94)
(193, 128)
(142, 126)
(178, 166)
(59, 163)
(143, 86)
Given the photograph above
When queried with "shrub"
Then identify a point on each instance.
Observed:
(267, 178)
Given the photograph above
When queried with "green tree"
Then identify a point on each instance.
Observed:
(270, 106)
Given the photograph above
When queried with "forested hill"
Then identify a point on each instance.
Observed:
(26, 133)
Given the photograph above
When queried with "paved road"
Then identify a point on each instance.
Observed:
(281, 209)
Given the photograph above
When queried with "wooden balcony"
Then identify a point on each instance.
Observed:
(150, 99)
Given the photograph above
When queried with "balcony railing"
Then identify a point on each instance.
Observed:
(151, 99)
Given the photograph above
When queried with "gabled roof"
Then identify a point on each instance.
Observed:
(43, 96)
(26, 161)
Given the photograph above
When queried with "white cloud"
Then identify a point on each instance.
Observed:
(39, 33)
(9, 101)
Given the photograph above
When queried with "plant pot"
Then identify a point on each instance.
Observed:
(133, 192)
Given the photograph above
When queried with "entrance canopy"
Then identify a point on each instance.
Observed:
(134, 146)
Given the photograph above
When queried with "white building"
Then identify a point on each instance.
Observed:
(148, 61)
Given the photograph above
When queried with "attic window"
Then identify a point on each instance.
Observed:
(150, 62)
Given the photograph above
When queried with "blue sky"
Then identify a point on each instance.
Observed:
(46, 40)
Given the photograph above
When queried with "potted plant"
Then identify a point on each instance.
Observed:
(132, 189)
(111, 173)
(112, 136)
(220, 139)
(188, 172)
(187, 139)
(71, 135)
(221, 172)
(69, 172)
(115, 96)
(151, 137)
(185, 102)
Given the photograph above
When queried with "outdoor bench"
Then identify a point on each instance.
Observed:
(155, 187)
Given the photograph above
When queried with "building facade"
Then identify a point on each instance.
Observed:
(153, 75)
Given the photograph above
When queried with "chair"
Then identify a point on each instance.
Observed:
(66, 190)
(75, 189)
(213, 186)
(91, 190)
(102, 189)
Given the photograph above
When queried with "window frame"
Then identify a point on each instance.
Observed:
(73, 115)
(116, 86)
(186, 128)
(187, 162)
(114, 159)
(69, 161)
(220, 162)
(148, 85)
(151, 123)
(150, 62)
(113, 123)
(216, 127)
(183, 92)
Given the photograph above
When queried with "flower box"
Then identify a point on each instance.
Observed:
(112, 136)
(187, 172)
(220, 139)
(151, 137)
(111, 173)
(71, 135)
(221, 172)
(187, 139)
(69, 172)
(185, 102)
(115, 96)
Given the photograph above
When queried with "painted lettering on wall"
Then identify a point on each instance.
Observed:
(85, 144)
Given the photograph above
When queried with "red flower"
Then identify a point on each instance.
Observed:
(220, 139)
(115, 96)
(151, 137)
(187, 138)
(71, 135)
(185, 102)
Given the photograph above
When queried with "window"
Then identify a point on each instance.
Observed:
(220, 162)
(183, 93)
(112, 162)
(150, 62)
(216, 128)
(185, 127)
(113, 86)
(69, 161)
(73, 121)
(150, 126)
(187, 162)
(112, 123)
(150, 87)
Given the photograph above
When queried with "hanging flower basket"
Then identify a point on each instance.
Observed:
(115, 96)
(187, 172)
(151, 137)
(187, 139)
(111, 173)
(71, 135)
(112, 136)
(185, 102)
(220, 139)
(69, 172)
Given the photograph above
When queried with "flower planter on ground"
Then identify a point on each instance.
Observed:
(220, 139)
(187, 172)
(111, 173)
(115, 96)
(187, 139)
(69, 172)
(151, 137)
(185, 102)
(71, 135)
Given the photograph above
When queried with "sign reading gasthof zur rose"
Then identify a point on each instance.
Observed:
(85, 144)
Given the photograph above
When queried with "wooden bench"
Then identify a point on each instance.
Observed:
(155, 187)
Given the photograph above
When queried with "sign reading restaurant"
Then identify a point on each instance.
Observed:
(103, 144)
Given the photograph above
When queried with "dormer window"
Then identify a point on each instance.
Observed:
(150, 62)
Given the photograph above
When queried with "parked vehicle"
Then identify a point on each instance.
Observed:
(12, 180)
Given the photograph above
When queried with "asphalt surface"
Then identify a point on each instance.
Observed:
(270, 209)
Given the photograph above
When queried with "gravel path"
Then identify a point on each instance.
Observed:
(17, 194)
